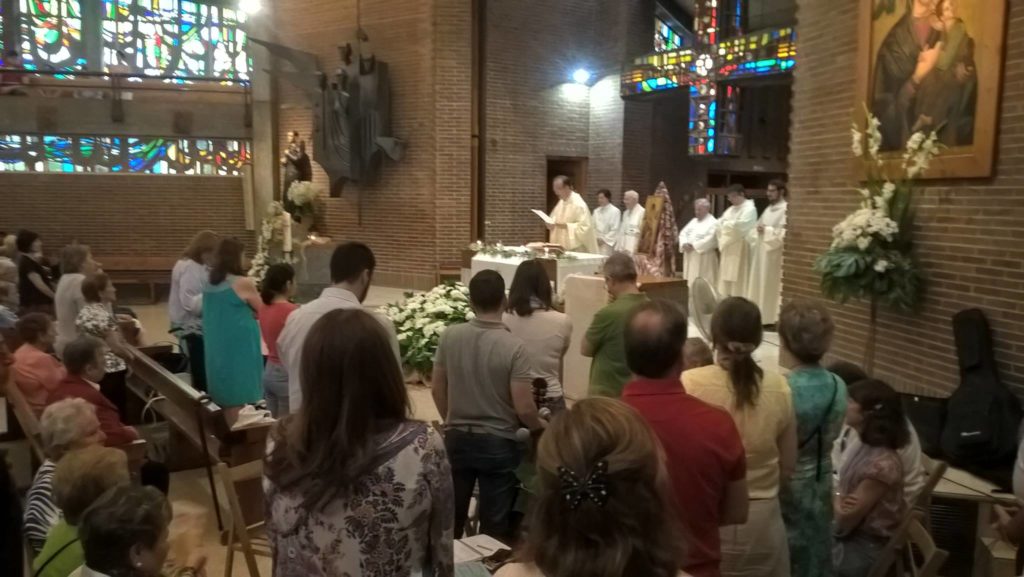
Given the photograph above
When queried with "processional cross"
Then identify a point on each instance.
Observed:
(709, 68)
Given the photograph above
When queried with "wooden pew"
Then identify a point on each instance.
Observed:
(198, 426)
(147, 271)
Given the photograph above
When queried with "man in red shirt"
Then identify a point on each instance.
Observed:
(83, 359)
(703, 451)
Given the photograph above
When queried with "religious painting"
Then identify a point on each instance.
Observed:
(649, 229)
(935, 65)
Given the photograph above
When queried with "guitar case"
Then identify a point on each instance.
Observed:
(983, 415)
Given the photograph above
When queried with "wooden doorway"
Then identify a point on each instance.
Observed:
(575, 167)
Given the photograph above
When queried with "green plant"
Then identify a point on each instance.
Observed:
(872, 257)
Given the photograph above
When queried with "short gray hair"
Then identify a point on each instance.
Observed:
(620, 267)
(65, 422)
(631, 194)
(702, 202)
(73, 257)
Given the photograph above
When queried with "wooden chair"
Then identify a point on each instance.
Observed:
(249, 540)
(922, 558)
(890, 559)
(923, 502)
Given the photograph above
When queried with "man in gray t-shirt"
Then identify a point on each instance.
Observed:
(483, 389)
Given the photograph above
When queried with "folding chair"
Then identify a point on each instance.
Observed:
(250, 540)
(922, 557)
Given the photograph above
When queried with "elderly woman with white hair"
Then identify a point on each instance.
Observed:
(76, 263)
(632, 223)
(698, 243)
(66, 426)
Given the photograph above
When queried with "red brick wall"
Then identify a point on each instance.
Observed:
(122, 215)
(970, 233)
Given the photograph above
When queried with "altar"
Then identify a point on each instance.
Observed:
(558, 268)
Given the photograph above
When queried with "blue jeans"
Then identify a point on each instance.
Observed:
(275, 389)
(492, 461)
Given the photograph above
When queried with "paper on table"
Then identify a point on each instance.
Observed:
(543, 216)
(476, 547)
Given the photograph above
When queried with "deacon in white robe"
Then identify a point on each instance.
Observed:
(733, 227)
(697, 242)
(632, 223)
(606, 222)
(573, 228)
(766, 240)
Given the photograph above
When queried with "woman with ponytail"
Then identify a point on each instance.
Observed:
(869, 503)
(761, 404)
(276, 291)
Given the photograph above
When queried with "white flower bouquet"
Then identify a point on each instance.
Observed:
(275, 233)
(871, 256)
(303, 195)
(421, 319)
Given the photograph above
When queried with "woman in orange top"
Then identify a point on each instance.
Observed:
(36, 370)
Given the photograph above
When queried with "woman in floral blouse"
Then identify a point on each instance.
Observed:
(97, 319)
(353, 486)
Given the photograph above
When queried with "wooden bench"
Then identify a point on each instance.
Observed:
(200, 435)
(29, 423)
(146, 271)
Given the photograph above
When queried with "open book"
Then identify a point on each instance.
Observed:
(543, 216)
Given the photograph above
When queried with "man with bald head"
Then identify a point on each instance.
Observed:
(704, 454)
(632, 223)
(573, 227)
(698, 243)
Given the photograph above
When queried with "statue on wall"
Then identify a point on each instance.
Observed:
(297, 168)
(352, 111)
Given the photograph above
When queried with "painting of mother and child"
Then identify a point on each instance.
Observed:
(934, 64)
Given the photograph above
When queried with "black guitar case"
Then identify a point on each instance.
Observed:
(983, 416)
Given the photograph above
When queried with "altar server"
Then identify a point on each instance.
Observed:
(766, 242)
(698, 242)
(632, 223)
(606, 222)
(573, 228)
(734, 226)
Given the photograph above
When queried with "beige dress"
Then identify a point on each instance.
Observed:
(758, 548)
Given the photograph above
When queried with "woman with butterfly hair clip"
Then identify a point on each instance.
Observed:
(761, 405)
(869, 503)
(603, 507)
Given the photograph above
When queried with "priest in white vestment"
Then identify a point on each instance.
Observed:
(733, 227)
(632, 223)
(606, 222)
(573, 228)
(766, 240)
(697, 242)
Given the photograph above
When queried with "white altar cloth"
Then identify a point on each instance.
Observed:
(583, 263)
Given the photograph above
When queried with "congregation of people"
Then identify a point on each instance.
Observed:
(687, 457)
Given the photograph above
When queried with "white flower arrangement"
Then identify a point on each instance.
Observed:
(303, 193)
(275, 229)
(422, 318)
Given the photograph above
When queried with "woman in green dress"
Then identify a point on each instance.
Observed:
(819, 402)
(234, 359)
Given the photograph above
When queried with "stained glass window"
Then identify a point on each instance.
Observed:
(51, 34)
(665, 37)
(151, 37)
(113, 154)
(175, 37)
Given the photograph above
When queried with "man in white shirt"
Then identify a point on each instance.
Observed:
(573, 228)
(632, 223)
(352, 266)
(733, 227)
(697, 242)
(766, 240)
(606, 222)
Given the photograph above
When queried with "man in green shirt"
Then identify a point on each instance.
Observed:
(604, 341)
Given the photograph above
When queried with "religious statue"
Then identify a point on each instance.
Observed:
(352, 111)
(297, 168)
(655, 254)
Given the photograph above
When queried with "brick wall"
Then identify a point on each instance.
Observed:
(122, 215)
(969, 234)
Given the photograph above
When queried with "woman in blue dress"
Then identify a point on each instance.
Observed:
(234, 359)
(819, 402)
